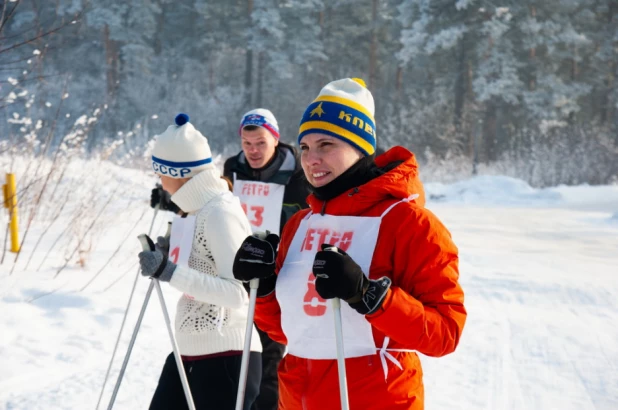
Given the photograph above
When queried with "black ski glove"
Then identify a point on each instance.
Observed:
(256, 260)
(159, 196)
(338, 276)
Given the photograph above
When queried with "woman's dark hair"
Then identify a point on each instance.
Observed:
(250, 127)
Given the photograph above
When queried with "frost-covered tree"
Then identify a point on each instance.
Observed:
(490, 82)
(266, 40)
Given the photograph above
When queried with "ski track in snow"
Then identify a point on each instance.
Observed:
(541, 288)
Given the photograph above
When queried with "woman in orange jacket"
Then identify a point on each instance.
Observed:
(368, 240)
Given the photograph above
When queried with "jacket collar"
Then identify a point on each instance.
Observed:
(199, 190)
(396, 184)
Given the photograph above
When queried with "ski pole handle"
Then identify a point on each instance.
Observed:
(168, 233)
(146, 242)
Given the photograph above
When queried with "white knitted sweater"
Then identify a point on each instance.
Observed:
(214, 318)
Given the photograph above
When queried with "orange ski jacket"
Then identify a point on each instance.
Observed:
(423, 310)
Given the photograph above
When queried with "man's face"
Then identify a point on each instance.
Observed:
(258, 145)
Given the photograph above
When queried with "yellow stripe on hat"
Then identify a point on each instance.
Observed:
(346, 102)
(327, 126)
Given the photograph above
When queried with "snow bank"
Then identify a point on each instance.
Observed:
(490, 190)
(592, 198)
(507, 191)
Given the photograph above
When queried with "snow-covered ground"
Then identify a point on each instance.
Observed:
(539, 268)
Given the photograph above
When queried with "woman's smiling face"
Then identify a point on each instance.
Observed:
(324, 158)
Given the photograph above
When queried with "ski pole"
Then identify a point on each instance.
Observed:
(130, 348)
(244, 365)
(147, 244)
(124, 319)
(138, 324)
(343, 385)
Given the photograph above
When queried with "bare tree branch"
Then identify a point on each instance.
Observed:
(45, 34)
(8, 17)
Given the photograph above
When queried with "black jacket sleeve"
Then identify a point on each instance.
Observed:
(227, 168)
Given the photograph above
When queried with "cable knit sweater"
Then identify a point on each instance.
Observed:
(213, 318)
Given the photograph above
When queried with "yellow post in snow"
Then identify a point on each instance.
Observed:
(10, 202)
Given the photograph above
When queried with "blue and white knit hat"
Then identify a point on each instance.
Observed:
(344, 109)
(261, 117)
(181, 151)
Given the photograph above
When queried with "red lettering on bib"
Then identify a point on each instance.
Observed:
(174, 254)
(255, 214)
(314, 238)
(313, 304)
(250, 189)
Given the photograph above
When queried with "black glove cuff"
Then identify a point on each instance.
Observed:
(172, 207)
(373, 296)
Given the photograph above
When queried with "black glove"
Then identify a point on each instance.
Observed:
(256, 260)
(338, 276)
(159, 196)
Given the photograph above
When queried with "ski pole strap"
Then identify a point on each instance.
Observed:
(161, 266)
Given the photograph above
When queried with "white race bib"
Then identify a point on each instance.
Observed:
(181, 239)
(306, 319)
(262, 202)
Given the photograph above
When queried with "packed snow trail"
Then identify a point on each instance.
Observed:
(541, 291)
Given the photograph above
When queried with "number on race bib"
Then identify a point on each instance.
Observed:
(313, 304)
(174, 254)
(256, 218)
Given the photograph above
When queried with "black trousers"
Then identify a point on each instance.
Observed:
(213, 383)
(272, 353)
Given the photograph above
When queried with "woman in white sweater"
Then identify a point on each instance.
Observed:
(212, 312)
